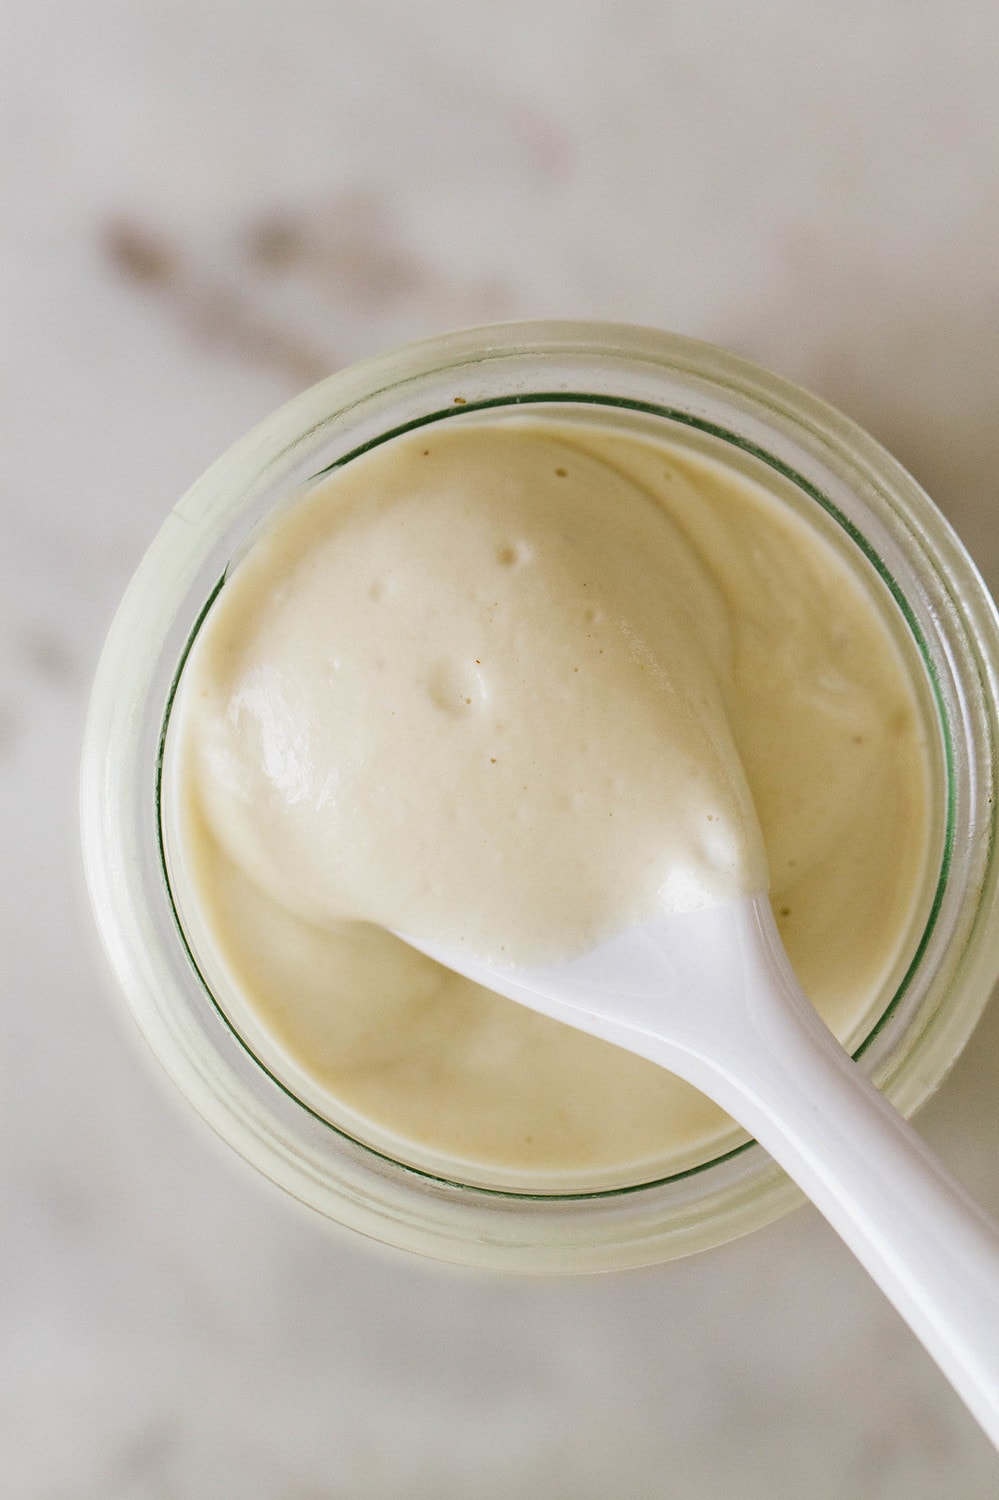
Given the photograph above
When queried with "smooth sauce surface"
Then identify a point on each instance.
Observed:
(519, 684)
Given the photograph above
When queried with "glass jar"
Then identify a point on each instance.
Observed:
(818, 462)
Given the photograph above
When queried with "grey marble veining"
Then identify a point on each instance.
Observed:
(207, 208)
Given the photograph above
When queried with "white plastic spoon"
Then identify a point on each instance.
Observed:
(710, 995)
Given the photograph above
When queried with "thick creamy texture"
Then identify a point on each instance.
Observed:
(519, 684)
(473, 690)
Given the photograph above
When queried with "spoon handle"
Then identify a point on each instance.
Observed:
(710, 995)
(773, 1064)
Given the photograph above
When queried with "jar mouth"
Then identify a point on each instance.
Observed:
(935, 696)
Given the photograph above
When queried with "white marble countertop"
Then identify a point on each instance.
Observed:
(208, 206)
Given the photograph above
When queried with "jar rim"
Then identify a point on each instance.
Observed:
(196, 538)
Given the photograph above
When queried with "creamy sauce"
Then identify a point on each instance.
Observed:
(519, 684)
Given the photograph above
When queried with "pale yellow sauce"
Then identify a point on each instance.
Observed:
(519, 684)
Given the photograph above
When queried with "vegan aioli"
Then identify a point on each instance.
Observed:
(519, 684)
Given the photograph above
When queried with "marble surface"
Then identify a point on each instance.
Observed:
(208, 206)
